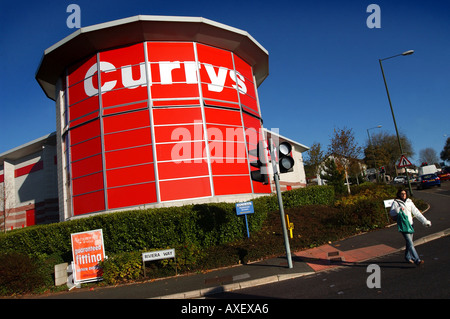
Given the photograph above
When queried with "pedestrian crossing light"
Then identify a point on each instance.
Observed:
(285, 160)
(258, 162)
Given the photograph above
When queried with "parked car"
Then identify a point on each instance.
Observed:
(428, 180)
(400, 180)
(444, 176)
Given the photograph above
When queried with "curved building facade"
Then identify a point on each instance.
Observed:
(154, 111)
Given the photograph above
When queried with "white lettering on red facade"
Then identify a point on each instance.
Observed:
(217, 76)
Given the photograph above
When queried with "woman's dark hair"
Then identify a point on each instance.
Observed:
(400, 191)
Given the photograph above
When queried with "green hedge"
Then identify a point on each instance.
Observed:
(191, 229)
(203, 225)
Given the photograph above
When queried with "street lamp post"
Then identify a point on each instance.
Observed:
(373, 152)
(392, 110)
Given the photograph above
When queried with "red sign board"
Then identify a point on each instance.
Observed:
(87, 251)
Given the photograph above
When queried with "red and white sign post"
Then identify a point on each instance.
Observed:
(404, 162)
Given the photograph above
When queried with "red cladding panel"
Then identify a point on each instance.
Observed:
(229, 167)
(243, 68)
(225, 133)
(180, 151)
(88, 203)
(164, 134)
(84, 119)
(77, 91)
(214, 92)
(170, 170)
(214, 56)
(126, 139)
(128, 157)
(125, 108)
(227, 185)
(85, 132)
(130, 175)
(246, 87)
(83, 108)
(185, 188)
(176, 91)
(124, 96)
(177, 115)
(86, 166)
(249, 104)
(86, 184)
(260, 188)
(251, 122)
(186, 102)
(170, 72)
(170, 51)
(126, 121)
(77, 72)
(129, 55)
(86, 149)
(131, 195)
(217, 76)
(221, 116)
(227, 151)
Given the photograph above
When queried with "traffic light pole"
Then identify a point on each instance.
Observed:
(276, 178)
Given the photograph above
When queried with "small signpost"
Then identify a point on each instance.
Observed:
(404, 162)
(245, 209)
(157, 255)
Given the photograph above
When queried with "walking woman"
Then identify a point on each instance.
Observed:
(402, 211)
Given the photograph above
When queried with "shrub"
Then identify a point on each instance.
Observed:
(19, 274)
(122, 267)
(203, 235)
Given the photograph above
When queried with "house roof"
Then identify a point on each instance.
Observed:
(302, 148)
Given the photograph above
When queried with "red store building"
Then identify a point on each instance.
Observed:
(155, 111)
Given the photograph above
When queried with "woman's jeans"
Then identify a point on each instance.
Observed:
(410, 252)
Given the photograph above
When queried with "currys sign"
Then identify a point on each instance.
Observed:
(216, 81)
(160, 71)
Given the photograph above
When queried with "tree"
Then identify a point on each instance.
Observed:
(428, 155)
(333, 176)
(315, 157)
(445, 154)
(344, 149)
(5, 199)
(386, 152)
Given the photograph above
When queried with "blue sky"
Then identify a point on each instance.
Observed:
(323, 63)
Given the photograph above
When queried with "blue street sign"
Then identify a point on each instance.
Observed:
(245, 209)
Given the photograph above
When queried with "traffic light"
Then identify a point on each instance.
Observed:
(285, 160)
(260, 162)
(382, 170)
